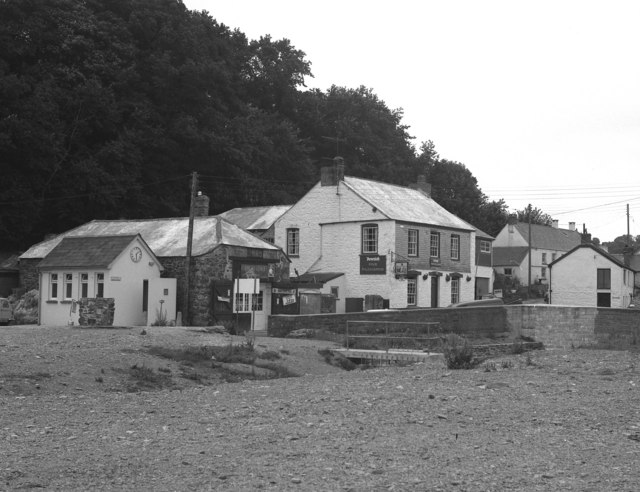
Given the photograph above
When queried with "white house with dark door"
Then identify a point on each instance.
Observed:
(516, 240)
(588, 276)
(373, 240)
(121, 267)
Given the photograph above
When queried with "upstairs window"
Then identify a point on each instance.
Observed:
(434, 245)
(508, 272)
(543, 272)
(293, 242)
(455, 247)
(604, 278)
(369, 239)
(485, 246)
(412, 242)
(553, 257)
(544, 258)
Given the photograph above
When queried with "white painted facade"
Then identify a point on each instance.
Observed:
(330, 219)
(123, 281)
(574, 279)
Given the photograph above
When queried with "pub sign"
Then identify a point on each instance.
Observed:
(373, 264)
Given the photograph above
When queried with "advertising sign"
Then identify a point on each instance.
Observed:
(373, 264)
(402, 267)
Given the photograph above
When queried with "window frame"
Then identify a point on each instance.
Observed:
(412, 292)
(413, 243)
(434, 244)
(67, 286)
(53, 286)
(335, 290)
(367, 240)
(603, 283)
(83, 285)
(509, 273)
(543, 272)
(544, 258)
(99, 285)
(455, 290)
(293, 241)
(483, 243)
(455, 251)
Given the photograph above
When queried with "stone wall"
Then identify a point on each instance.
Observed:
(555, 326)
(485, 321)
(96, 311)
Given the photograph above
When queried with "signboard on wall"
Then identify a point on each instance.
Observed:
(373, 264)
(401, 267)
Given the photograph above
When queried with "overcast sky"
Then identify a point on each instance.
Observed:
(539, 99)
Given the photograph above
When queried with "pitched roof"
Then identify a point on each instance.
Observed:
(86, 252)
(405, 204)
(634, 261)
(165, 237)
(547, 237)
(255, 218)
(602, 252)
(509, 256)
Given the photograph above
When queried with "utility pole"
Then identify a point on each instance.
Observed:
(628, 230)
(187, 269)
(530, 240)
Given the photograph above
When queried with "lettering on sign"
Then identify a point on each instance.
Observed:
(373, 264)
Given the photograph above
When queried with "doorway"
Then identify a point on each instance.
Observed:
(435, 291)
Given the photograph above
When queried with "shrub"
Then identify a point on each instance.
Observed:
(458, 353)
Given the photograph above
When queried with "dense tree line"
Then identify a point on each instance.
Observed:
(107, 106)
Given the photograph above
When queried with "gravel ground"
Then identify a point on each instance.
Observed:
(547, 420)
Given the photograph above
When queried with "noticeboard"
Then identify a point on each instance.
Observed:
(373, 264)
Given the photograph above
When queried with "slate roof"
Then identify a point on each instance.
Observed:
(547, 237)
(602, 252)
(509, 256)
(405, 204)
(165, 237)
(634, 261)
(86, 252)
(255, 218)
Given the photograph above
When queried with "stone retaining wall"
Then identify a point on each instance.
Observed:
(96, 311)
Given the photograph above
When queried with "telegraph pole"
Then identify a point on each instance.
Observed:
(187, 269)
(530, 240)
(628, 230)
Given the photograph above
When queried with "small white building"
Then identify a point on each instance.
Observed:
(120, 267)
(588, 276)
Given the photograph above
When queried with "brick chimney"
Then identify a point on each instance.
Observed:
(332, 175)
(201, 205)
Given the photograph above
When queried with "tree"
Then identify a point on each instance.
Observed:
(536, 215)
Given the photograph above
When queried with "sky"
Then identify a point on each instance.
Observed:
(540, 100)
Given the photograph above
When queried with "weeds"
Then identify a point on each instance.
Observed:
(489, 366)
(269, 355)
(458, 353)
(507, 364)
(517, 347)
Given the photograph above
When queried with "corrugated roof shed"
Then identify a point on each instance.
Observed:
(547, 237)
(86, 252)
(405, 204)
(509, 257)
(165, 237)
(255, 218)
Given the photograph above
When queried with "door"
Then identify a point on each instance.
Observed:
(435, 291)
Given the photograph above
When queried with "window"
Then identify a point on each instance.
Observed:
(455, 290)
(246, 302)
(508, 272)
(544, 258)
(335, 292)
(68, 285)
(293, 242)
(84, 285)
(553, 256)
(412, 246)
(434, 249)
(99, 284)
(370, 238)
(485, 246)
(455, 247)
(412, 291)
(543, 272)
(604, 278)
(53, 289)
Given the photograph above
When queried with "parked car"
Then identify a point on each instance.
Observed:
(6, 312)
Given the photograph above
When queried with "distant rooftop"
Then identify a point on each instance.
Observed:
(255, 218)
